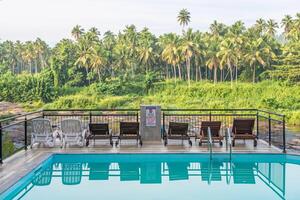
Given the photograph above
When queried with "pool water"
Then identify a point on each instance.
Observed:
(161, 176)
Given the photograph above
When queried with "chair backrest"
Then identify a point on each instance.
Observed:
(177, 128)
(41, 126)
(99, 129)
(243, 126)
(215, 127)
(129, 128)
(71, 126)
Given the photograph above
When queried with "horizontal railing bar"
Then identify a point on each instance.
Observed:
(94, 115)
(273, 113)
(281, 121)
(18, 116)
(233, 109)
(87, 110)
(234, 114)
(19, 122)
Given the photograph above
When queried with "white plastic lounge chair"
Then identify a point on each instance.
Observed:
(72, 132)
(42, 132)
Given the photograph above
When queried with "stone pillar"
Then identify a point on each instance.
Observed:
(150, 124)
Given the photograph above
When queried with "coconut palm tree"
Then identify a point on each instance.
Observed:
(97, 60)
(77, 31)
(287, 24)
(188, 50)
(228, 55)
(171, 53)
(257, 52)
(271, 27)
(184, 17)
(260, 26)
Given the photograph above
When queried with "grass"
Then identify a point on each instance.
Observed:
(267, 95)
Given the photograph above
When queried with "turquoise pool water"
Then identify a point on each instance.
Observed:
(161, 176)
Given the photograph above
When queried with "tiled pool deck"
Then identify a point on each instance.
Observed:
(23, 162)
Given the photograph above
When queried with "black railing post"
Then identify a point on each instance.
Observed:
(1, 144)
(25, 132)
(283, 134)
(163, 131)
(257, 124)
(270, 130)
(137, 117)
(91, 117)
(210, 116)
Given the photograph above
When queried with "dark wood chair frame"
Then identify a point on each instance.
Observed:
(99, 131)
(242, 129)
(215, 128)
(177, 131)
(129, 131)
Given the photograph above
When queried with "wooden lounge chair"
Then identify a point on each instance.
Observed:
(242, 129)
(177, 131)
(129, 131)
(215, 127)
(99, 131)
(42, 132)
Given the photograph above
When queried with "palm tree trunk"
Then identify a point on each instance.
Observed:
(179, 72)
(230, 69)
(236, 74)
(215, 75)
(200, 73)
(188, 65)
(196, 68)
(174, 69)
(254, 74)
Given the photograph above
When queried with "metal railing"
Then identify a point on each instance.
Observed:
(15, 132)
(209, 142)
(229, 143)
(269, 126)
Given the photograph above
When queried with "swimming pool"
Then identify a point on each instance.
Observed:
(161, 176)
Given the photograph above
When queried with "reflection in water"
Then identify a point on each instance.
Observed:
(71, 173)
(271, 174)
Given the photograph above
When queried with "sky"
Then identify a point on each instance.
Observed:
(53, 20)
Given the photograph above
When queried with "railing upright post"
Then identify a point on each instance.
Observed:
(257, 124)
(163, 131)
(1, 144)
(270, 131)
(25, 132)
(283, 134)
(137, 117)
(210, 116)
(91, 117)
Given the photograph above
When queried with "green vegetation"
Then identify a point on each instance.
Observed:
(227, 67)
(265, 95)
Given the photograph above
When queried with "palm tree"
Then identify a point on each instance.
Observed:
(217, 28)
(287, 24)
(260, 26)
(97, 60)
(184, 17)
(77, 31)
(171, 53)
(188, 50)
(228, 55)
(271, 27)
(256, 54)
